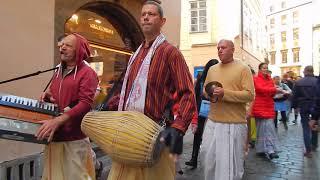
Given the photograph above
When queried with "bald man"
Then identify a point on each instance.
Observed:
(225, 134)
(68, 154)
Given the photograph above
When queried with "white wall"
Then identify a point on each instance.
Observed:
(228, 19)
(315, 10)
(305, 35)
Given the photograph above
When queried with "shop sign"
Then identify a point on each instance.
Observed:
(101, 28)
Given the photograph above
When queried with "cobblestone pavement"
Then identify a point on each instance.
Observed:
(291, 165)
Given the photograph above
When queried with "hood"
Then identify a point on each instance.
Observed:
(82, 53)
(82, 49)
(264, 77)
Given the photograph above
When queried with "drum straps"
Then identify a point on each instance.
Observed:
(167, 117)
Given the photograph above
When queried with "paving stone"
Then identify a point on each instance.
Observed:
(290, 166)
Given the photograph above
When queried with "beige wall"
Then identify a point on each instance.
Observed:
(171, 29)
(202, 54)
(27, 46)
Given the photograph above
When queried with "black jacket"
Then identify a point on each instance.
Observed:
(304, 92)
(316, 103)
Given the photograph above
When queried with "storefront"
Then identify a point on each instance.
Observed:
(113, 34)
(30, 38)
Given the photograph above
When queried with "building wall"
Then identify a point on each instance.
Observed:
(228, 19)
(254, 29)
(27, 45)
(27, 35)
(199, 47)
(171, 29)
(316, 50)
(316, 37)
(305, 35)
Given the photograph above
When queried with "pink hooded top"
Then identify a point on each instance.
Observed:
(75, 90)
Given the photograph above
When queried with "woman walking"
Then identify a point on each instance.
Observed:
(281, 102)
(263, 110)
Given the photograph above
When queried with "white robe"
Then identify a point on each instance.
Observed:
(223, 151)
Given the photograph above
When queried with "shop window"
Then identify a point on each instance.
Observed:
(198, 16)
(110, 51)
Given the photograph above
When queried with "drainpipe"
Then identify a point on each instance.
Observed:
(241, 21)
(241, 28)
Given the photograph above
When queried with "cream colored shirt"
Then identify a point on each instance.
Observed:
(237, 82)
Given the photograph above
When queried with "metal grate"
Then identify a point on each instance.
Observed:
(26, 168)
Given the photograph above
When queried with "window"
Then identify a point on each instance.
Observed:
(271, 8)
(283, 4)
(272, 57)
(284, 55)
(272, 42)
(296, 37)
(198, 16)
(284, 19)
(110, 50)
(272, 23)
(295, 52)
(295, 17)
(284, 39)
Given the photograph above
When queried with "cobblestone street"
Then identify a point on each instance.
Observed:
(291, 165)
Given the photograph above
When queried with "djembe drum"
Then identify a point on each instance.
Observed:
(127, 137)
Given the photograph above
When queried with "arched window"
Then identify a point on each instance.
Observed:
(110, 51)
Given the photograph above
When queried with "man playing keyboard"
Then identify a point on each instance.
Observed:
(68, 155)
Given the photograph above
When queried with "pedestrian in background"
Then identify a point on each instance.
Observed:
(203, 106)
(280, 102)
(251, 123)
(263, 110)
(304, 92)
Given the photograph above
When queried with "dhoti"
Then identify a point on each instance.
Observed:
(222, 151)
(164, 169)
(68, 160)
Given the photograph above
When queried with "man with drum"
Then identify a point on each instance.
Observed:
(155, 71)
(72, 88)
